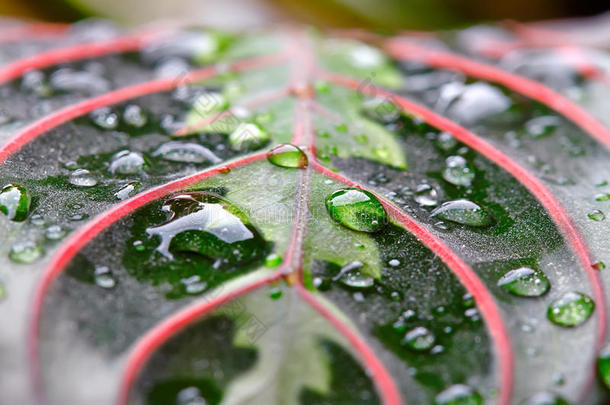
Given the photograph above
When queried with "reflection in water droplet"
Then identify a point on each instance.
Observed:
(419, 339)
(458, 172)
(207, 224)
(458, 394)
(525, 282)
(571, 309)
(82, 178)
(15, 202)
(463, 212)
(596, 215)
(248, 137)
(545, 398)
(186, 153)
(356, 209)
(287, 155)
(25, 252)
(126, 162)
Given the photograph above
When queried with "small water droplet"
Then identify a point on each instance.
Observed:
(185, 153)
(275, 293)
(540, 127)
(599, 266)
(128, 190)
(54, 232)
(126, 162)
(571, 309)
(356, 209)
(248, 136)
(603, 365)
(273, 260)
(525, 282)
(426, 195)
(394, 263)
(194, 285)
(2, 291)
(82, 178)
(287, 155)
(596, 215)
(381, 108)
(352, 275)
(134, 116)
(463, 212)
(138, 245)
(37, 220)
(472, 103)
(446, 141)
(190, 396)
(458, 394)
(105, 118)
(458, 172)
(15, 202)
(25, 252)
(103, 278)
(419, 339)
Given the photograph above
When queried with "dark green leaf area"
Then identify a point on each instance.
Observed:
(199, 362)
(172, 245)
(416, 292)
(349, 382)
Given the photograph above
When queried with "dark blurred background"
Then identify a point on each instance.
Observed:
(373, 14)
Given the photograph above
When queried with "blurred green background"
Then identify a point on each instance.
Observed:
(372, 14)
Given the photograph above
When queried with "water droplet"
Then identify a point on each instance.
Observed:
(419, 339)
(82, 178)
(190, 396)
(15, 202)
(134, 116)
(458, 172)
(446, 141)
(105, 118)
(207, 224)
(472, 103)
(128, 190)
(78, 216)
(571, 309)
(194, 285)
(248, 137)
(366, 57)
(103, 278)
(540, 127)
(2, 291)
(25, 252)
(463, 212)
(127, 162)
(394, 263)
(85, 82)
(596, 215)
(525, 282)
(381, 108)
(54, 232)
(458, 394)
(186, 153)
(37, 220)
(275, 293)
(352, 275)
(139, 246)
(599, 266)
(273, 260)
(287, 155)
(602, 197)
(426, 195)
(545, 398)
(356, 209)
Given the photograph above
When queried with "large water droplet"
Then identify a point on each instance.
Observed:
(287, 155)
(127, 162)
(571, 309)
(458, 394)
(419, 339)
(463, 212)
(207, 224)
(525, 282)
(356, 209)
(458, 172)
(248, 137)
(103, 278)
(352, 275)
(25, 252)
(15, 202)
(82, 178)
(545, 398)
(186, 153)
(472, 103)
